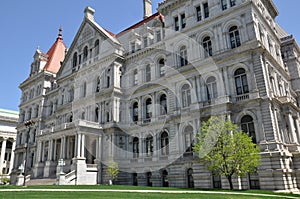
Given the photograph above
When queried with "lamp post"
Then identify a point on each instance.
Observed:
(28, 124)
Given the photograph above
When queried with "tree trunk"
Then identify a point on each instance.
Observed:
(229, 178)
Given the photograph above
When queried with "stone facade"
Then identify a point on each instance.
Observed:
(8, 134)
(140, 96)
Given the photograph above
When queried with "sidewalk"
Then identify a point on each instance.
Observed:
(145, 191)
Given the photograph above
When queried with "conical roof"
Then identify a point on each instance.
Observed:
(56, 54)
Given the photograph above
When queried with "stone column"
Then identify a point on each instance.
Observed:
(298, 128)
(50, 150)
(82, 145)
(12, 156)
(54, 150)
(3, 148)
(292, 128)
(78, 141)
(62, 147)
(99, 148)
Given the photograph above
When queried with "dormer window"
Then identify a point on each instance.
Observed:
(206, 10)
(232, 3)
(176, 22)
(132, 45)
(183, 21)
(158, 36)
(224, 4)
(198, 13)
(145, 41)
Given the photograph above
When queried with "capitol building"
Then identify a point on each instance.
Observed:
(139, 97)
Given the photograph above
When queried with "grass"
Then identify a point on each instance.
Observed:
(118, 195)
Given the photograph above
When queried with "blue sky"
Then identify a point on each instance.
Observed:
(26, 25)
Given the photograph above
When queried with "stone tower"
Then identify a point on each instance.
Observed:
(147, 8)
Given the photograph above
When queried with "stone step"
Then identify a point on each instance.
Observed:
(46, 181)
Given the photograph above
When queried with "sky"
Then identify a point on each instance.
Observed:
(31, 24)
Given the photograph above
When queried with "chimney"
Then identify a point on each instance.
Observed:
(89, 13)
(147, 8)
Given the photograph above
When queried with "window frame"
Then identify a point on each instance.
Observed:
(234, 37)
(186, 98)
(241, 82)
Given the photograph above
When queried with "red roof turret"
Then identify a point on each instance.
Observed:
(56, 54)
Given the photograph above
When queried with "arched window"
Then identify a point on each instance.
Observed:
(161, 66)
(241, 82)
(135, 77)
(97, 114)
(165, 180)
(211, 87)
(148, 73)
(190, 178)
(183, 58)
(74, 61)
(97, 47)
(163, 104)
(247, 125)
(70, 118)
(135, 111)
(83, 116)
(149, 146)
(148, 108)
(207, 46)
(188, 138)
(135, 147)
(186, 96)
(234, 37)
(98, 84)
(85, 53)
(50, 108)
(164, 143)
(108, 78)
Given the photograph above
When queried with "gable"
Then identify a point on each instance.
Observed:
(87, 36)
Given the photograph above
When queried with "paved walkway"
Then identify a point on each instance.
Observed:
(148, 191)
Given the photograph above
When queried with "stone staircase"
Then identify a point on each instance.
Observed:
(45, 181)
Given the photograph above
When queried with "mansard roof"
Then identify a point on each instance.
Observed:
(56, 54)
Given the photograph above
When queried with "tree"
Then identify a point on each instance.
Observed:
(226, 150)
(113, 169)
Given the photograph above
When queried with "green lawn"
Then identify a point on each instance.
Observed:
(114, 195)
(117, 195)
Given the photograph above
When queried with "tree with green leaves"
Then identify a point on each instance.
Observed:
(112, 169)
(226, 150)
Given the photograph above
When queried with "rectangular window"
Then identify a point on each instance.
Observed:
(206, 10)
(183, 21)
(145, 40)
(232, 3)
(224, 4)
(158, 36)
(176, 21)
(198, 13)
(132, 47)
